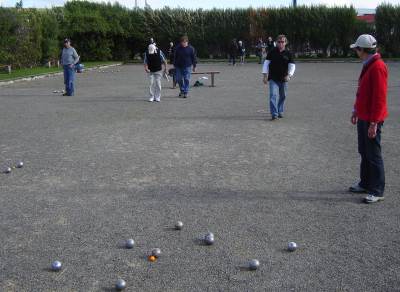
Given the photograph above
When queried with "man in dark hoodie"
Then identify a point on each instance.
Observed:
(185, 59)
(233, 50)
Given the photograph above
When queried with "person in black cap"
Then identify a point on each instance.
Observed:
(69, 58)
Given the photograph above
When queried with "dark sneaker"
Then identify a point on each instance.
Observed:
(357, 189)
(185, 95)
(280, 116)
(373, 199)
(181, 94)
(274, 118)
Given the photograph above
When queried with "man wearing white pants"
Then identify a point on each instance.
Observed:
(154, 60)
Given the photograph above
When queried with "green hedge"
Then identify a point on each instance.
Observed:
(112, 32)
(388, 29)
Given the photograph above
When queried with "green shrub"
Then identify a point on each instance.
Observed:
(104, 31)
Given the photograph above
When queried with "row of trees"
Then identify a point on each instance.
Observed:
(112, 32)
(388, 29)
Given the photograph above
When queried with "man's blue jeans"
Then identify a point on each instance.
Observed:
(372, 172)
(69, 78)
(277, 96)
(183, 78)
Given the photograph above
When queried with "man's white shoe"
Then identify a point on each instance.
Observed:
(357, 189)
(151, 99)
(158, 99)
(373, 199)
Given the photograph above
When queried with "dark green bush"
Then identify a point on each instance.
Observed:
(113, 32)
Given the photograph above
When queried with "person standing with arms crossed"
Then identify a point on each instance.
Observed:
(185, 58)
(369, 114)
(278, 68)
(69, 58)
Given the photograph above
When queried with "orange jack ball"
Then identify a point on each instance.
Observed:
(152, 258)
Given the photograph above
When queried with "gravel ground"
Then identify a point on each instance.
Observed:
(106, 165)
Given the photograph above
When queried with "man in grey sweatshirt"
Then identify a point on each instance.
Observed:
(69, 58)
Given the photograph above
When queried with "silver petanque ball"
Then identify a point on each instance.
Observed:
(179, 225)
(292, 246)
(129, 243)
(20, 164)
(254, 264)
(209, 238)
(156, 252)
(56, 266)
(7, 170)
(120, 285)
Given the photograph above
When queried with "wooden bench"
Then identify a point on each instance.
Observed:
(212, 73)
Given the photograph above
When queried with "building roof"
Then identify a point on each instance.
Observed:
(368, 18)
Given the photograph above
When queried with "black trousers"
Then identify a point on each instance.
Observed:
(372, 172)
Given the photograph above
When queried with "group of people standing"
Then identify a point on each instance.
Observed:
(263, 48)
(236, 49)
(183, 59)
(369, 112)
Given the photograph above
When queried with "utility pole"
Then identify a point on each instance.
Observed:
(294, 3)
(136, 4)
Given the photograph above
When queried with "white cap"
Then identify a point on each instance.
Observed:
(365, 41)
(152, 49)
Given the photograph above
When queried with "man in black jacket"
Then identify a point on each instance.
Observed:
(233, 50)
(278, 68)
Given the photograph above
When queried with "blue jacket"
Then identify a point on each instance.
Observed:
(185, 57)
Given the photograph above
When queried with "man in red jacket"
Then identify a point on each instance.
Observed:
(369, 113)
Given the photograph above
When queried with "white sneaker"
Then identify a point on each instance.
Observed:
(158, 99)
(151, 99)
(373, 199)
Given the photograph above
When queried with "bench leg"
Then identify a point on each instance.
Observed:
(212, 80)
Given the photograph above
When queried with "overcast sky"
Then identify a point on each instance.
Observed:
(206, 4)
